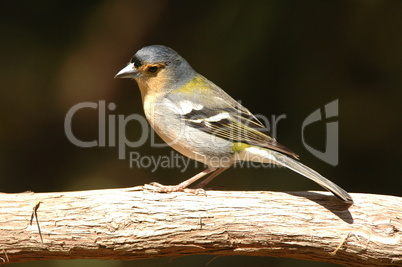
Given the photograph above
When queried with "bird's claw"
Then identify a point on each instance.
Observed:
(160, 188)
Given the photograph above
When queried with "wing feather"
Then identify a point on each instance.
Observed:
(237, 126)
(223, 116)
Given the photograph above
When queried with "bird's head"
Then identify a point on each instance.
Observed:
(157, 68)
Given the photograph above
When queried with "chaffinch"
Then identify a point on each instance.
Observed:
(198, 119)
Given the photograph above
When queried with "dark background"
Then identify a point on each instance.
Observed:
(277, 57)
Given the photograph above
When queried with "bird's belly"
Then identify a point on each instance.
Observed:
(189, 141)
(195, 144)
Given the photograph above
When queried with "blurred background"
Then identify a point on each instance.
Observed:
(277, 57)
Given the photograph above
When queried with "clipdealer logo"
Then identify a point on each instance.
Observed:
(108, 128)
(112, 133)
(331, 153)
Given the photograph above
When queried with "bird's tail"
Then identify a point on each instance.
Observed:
(311, 174)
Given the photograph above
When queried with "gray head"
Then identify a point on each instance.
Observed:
(158, 65)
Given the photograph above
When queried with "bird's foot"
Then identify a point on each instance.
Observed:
(216, 188)
(160, 188)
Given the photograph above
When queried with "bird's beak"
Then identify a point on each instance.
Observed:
(128, 71)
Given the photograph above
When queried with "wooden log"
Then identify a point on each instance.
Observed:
(138, 223)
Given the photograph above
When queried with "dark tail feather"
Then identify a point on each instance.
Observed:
(312, 175)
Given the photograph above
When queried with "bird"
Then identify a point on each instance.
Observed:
(201, 121)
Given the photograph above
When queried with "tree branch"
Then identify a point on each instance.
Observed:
(137, 223)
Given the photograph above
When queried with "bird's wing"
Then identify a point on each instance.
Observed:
(220, 115)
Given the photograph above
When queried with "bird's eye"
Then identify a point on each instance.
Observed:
(153, 69)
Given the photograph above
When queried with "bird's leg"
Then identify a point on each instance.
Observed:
(209, 178)
(183, 185)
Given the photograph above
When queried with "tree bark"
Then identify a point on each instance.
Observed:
(138, 223)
